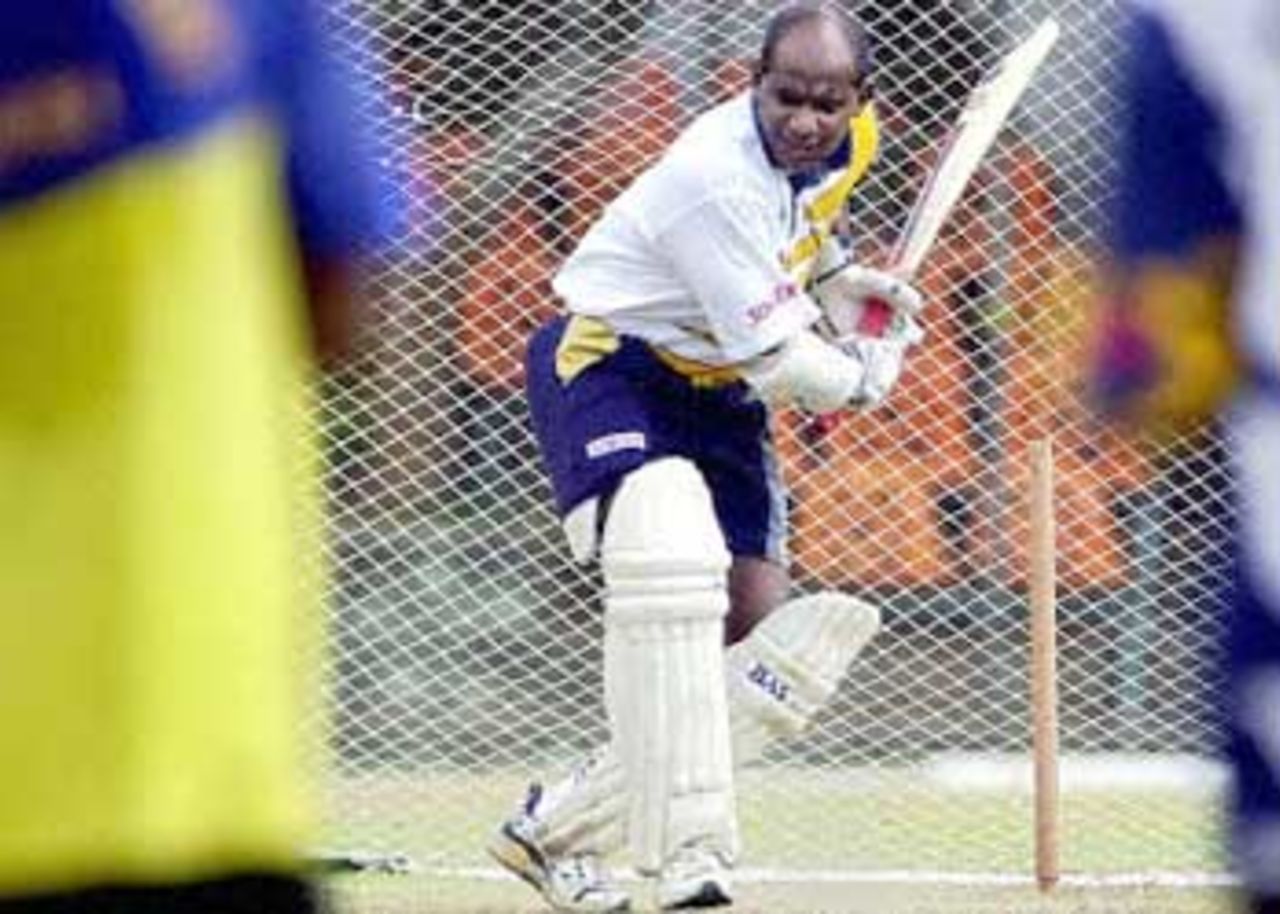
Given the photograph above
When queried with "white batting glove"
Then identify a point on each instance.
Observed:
(821, 377)
(881, 361)
(844, 295)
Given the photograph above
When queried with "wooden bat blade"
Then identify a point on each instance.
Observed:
(986, 112)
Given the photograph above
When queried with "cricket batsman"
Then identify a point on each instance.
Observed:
(711, 290)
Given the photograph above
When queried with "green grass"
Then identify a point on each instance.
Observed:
(414, 895)
(886, 822)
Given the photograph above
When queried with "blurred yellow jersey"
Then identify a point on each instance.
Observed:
(151, 509)
(161, 169)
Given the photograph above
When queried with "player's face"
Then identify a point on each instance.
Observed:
(806, 96)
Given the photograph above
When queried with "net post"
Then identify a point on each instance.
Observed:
(1044, 661)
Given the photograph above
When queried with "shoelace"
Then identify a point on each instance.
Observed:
(582, 869)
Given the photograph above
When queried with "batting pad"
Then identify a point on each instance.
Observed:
(665, 570)
(586, 811)
(776, 680)
(791, 664)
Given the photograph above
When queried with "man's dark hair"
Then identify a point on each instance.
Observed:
(801, 12)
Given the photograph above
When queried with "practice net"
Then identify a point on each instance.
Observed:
(466, 646)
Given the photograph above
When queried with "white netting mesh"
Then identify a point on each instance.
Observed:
(467, 647)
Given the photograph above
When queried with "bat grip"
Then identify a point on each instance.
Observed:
(876, 316)
(820, 426)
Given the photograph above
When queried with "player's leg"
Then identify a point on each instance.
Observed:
(1254, 742)
(757, 586)
(559, 835)
(664, 784)
(786, 658)
(1253, 673)
(775, 680)
(557, 838)
(787, 669)
(666, 572)
(1253, 658)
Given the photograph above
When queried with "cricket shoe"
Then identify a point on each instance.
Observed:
(695, 876)
(572, 882)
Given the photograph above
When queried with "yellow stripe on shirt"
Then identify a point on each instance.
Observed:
(587, 340)
(825, 208)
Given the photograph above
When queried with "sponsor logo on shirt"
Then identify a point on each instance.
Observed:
(614, 442)
(780, 295)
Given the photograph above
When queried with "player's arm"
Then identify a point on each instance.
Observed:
(722, 249)
(808, 372)
(332, 287)
(342, 199)
(1162, 350)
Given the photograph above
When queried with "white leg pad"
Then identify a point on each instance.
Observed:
(585, 812)
(790, 666)
(665, 570)
(776, 680)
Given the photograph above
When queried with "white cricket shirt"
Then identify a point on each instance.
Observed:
(690, 257)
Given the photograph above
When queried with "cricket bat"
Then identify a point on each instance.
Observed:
(986, 111)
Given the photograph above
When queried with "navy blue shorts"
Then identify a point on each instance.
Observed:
(1253, 669)
(630, 408)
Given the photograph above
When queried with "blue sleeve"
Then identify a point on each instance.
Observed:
(341, 183)
(1171, 194)
(341, 187)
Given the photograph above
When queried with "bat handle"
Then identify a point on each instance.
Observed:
(820, 426)
(876, 316)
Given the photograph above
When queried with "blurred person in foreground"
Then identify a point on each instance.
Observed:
(183, 203)
(1192, 329)
(713, 289)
